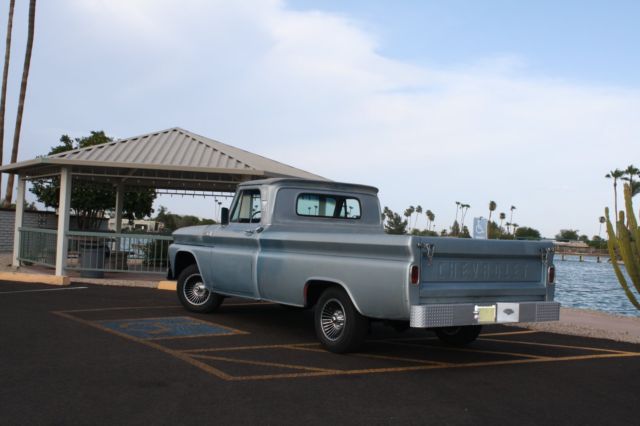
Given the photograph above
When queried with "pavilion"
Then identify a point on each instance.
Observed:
(170, 161)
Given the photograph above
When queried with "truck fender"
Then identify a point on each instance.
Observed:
(314, 287)
(183, 259)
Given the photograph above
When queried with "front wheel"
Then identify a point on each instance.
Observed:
(339, 326)
(193, 294)
(458, 336)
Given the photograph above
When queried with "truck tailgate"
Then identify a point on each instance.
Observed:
(455, 270)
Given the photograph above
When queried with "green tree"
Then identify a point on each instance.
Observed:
(463, 209)
(567, 234)
(492, 208)
(455, 229)
(23, 93)
(495, 231)
(418, 213)
(408, 213)
(430, 218)
(90, 200)
(174, 221)
(632, 172)
(528, 233)
(393, 223)
(511, 218)
(503, 216)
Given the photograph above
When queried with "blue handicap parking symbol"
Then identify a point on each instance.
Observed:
(159, 328)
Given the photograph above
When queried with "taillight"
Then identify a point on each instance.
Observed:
(551, 275)
(415, 274)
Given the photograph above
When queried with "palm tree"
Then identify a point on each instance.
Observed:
(5, 76)
(430, 217)
(23, 93)
(511, 217)
(503, 216)
(615, 175)
(463, 209)
(631, 172)
(635, 188)
(418, 213)
(408, 212)
(602, 220)
(492, 208)
(457, 208)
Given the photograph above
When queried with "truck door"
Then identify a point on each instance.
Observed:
(236, 247)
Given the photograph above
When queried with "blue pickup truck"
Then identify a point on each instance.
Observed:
(321, 245)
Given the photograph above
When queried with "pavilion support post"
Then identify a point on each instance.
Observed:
(18, 221)
(119, 208)
(64, 208)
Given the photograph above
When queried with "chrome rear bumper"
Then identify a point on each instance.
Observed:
(448, 315)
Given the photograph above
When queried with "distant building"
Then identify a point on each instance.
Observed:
(142, 225)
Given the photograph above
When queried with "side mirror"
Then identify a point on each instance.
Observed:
(224, 216)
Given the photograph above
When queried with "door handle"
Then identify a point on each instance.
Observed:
(252, 231)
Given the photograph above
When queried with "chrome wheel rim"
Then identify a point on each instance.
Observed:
(332, 319)
(195, 291)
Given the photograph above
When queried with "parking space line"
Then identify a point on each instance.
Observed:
(244, 348)
(195, 357)
(264, 363)
(454, 349)
(43, 290)
(203, 366)
(376, 356)
(552, 345)
(508, 333)
(122, 308)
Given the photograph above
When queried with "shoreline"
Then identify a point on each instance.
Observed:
(590, 323)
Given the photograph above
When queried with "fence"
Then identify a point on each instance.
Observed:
(94, 253)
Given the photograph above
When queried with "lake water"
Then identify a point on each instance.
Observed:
(591, 285)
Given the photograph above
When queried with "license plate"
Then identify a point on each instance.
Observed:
(486, 314)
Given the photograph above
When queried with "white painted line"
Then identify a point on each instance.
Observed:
(44, 289)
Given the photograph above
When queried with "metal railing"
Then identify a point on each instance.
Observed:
(38, 246)
(94, 253)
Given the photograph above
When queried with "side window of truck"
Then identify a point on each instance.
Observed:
(328, 206)
(247, 207)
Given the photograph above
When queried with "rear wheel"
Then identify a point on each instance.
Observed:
(193, 294)
(339, 326)
(458, 336)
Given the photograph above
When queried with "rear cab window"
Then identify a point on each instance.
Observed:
(328, 206)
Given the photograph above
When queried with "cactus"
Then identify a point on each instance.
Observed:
(625, 243)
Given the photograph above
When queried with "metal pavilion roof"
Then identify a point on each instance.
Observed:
(170, 159)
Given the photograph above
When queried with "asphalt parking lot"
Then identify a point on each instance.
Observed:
(109, 355)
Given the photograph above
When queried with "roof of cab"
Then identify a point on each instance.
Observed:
(308, 183)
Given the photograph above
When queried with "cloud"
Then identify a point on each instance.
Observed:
(310, 88)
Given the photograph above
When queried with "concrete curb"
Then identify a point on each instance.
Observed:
(167, 285)
(35, 278)
(66, 280)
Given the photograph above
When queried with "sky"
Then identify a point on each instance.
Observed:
(528, 104)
